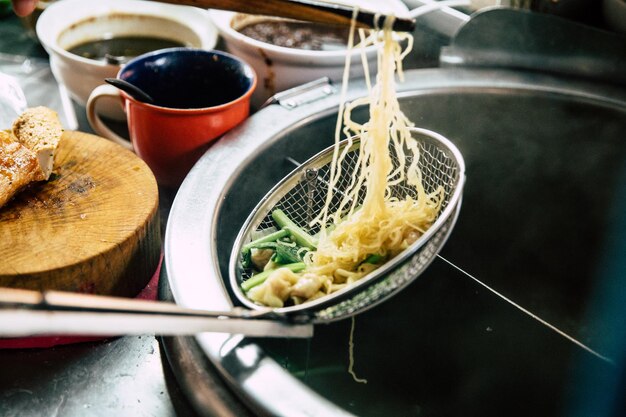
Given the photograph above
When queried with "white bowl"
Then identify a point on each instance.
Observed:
(279, 68)
(67, 23)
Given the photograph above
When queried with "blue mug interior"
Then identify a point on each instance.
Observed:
(187, 78)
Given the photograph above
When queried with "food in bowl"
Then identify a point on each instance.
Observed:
(121, 38)
(66, 24)
(300, 35)
(280, 67)
(119, 49)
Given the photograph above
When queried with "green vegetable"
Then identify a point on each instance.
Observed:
(260, 278)
(374, 259)
(246, 256)
(284, 253)
(246, 259)
(301, 237)
(272, 237)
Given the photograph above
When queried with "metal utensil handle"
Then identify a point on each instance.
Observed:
(29, 313)
(310, 11)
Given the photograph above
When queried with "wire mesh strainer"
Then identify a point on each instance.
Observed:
(301, 196)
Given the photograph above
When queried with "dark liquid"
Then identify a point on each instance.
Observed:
(195, 92)
(189, 80)
(298, 35)
(123, 46)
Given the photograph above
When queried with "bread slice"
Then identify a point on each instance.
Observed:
(40, 130)
(18, 167)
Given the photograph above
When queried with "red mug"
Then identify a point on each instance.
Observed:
(197, 94)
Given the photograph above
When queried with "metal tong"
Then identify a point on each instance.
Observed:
(32, 313)
(306, 10)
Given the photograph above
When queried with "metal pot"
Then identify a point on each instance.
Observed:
(502, 322)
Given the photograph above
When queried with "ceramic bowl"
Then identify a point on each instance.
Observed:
(279, 68)
(68, 23)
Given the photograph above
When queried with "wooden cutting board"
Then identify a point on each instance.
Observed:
(92, 228)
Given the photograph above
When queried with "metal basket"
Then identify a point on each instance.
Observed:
(301, 195)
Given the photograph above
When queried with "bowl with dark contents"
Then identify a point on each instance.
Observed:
(286, 53)
(299, 35)
(90, 41)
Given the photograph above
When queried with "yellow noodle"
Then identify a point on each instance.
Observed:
(380, 225)
(351, 354)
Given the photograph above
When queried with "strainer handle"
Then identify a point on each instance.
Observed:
(30, 313)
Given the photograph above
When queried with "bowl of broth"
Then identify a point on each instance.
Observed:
(90, 41)
(286, 53)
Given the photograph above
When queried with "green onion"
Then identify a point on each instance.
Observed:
(260, 278)
(301, 237)
(373, 259)
(272, 237)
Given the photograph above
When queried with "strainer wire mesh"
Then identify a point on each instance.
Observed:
(301, 196)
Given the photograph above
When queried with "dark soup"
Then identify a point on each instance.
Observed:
(121, 47)
(299, 35)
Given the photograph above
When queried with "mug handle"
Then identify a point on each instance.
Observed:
(104, 90)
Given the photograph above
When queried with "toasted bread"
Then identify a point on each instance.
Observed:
(40, 130)
(18, 167)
